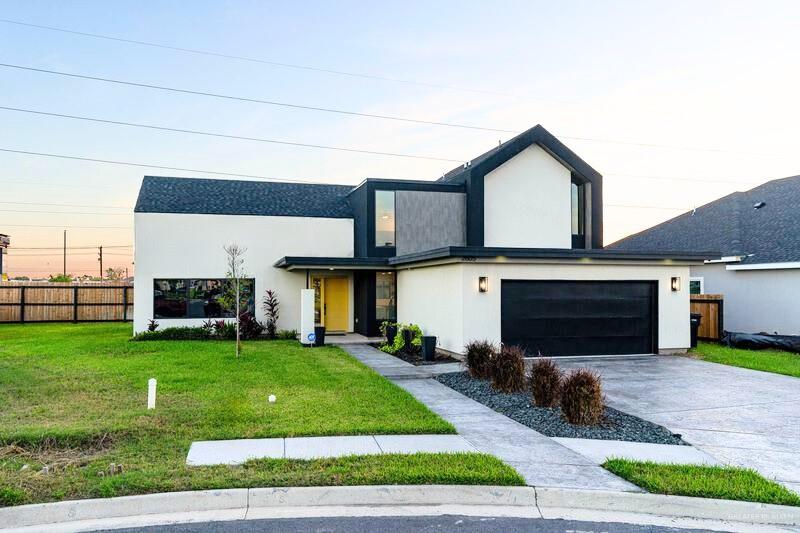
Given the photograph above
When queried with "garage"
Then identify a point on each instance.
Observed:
(561, 318)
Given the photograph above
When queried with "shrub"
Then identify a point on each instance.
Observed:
(545, 383)
(271, 307)
(399, 344)
(582, 397)
(508, 369)
(249, 327)
(174, 334)
(224, 329)
(479, 358)
(288, 334)
(152, 325)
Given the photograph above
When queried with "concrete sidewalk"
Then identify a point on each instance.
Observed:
(540, 460)
(234, 452)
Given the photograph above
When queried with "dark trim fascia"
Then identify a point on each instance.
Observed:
(344, 262)
(476, 252)
(408, 185)
(337, 217)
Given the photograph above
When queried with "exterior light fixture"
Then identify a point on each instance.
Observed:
(675, 284)
(483, 284)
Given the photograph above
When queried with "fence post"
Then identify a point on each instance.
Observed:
(22, 304)
(74, 304)
(124, 303)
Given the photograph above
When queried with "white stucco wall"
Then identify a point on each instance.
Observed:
(190, 246)
(425, 295)
(433, 299)
(755, 300)
(527, 202)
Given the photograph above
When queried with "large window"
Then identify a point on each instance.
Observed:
(385, 296)
(196, 298)
(384, 218)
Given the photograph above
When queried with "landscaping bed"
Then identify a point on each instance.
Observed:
(415, 358)
(74, 411)
(549, 421)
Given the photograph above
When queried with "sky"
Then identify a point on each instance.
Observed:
(676, 104)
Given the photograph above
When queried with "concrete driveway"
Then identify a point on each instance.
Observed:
(741, 417)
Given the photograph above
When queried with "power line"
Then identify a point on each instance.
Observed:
(227, 136)
(70, 205)
(143, 165)
(88, 247)
(65, 212)
(674, 178)
(64, 226)
(255, 100)
(264, 61)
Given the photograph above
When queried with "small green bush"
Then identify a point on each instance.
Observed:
(11, 496)
(546, 383)
(174, 334)
(399, 343)
(480, 355)
(508, 369)
(288, 335)
(582, 397)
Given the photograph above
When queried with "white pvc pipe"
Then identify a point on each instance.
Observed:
(151, 393)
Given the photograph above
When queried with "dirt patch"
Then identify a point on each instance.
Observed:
(54, 454)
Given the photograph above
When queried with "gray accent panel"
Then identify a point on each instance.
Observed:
(428, 220)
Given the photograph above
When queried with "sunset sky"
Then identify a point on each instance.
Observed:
(676, 104)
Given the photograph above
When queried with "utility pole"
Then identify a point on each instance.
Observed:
(65, 253)
(101, 262)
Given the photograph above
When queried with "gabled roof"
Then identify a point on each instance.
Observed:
(505, 151)
(732, 225)
(233, 197)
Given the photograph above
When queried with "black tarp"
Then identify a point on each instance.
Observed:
(761, 341)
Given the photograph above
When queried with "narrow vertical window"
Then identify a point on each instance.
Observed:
(384, 218)
(385, 296)
(578, 214)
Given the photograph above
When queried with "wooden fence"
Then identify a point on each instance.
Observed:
(710, 306)
(65, 302)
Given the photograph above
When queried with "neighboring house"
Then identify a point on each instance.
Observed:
(758, 272)
(507, 248)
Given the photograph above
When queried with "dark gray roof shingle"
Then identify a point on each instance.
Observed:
(233, 197)
(733, 226)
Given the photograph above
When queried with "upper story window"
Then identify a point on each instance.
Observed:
(578, 214)
(384, 218)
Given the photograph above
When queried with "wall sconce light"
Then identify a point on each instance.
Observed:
(675, 284)
(483, 284)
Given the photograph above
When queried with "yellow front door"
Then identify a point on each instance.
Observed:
(335, 304)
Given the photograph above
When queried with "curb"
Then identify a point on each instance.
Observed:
(547, 502)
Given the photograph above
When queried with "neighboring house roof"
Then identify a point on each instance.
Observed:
(734, 226)
(234, 197)
(505, 151)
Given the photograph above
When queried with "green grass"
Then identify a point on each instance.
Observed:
(721, 482)
(73, 397)
(775, 361)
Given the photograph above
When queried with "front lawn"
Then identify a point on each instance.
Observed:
(721, 482)
(73, 398)
(775, 361)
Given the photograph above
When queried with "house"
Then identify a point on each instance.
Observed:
(758, 271)
(507, 247)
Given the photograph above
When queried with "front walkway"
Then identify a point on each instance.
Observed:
(539, 459)
(739, 416)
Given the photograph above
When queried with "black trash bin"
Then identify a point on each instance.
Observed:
(694, 321)
(319, 335)
(428, 348)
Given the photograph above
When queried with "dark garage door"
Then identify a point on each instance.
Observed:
(579, 317)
